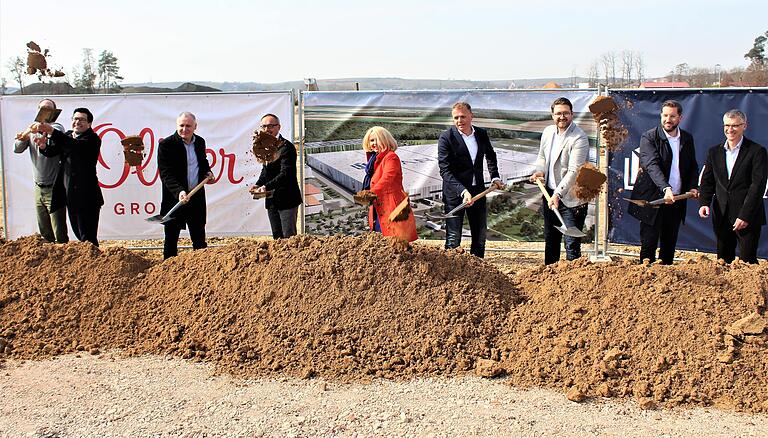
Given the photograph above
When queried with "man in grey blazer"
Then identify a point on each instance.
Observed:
(564, 147)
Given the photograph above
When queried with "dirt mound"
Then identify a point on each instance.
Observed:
(339, 307)
(349, 308)
(656, 333)
(60, 298)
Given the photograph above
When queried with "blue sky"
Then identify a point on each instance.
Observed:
(285, 40)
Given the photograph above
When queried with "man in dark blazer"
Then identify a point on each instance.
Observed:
(279, 176)
(79, 149)
(668, 168)
(461, 150)
(182, 162)
(733, 183)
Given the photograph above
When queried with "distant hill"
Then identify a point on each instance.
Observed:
(342, 84)
(377, 84)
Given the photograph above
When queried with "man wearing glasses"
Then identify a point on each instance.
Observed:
(279, 177)
(182, 162)
(562, 151)
(79, 149)
(669, 168)
(735, 176)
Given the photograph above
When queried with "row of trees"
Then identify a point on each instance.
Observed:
(91, 76)
(620, 69)
(627, 69)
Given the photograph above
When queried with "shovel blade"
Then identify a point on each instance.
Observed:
(571, 231)
(156, 218)
(638, 202)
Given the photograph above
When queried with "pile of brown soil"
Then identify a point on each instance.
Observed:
(656, 333)
(351, 308)
(338, 307)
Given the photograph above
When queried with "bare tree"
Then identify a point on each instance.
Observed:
(85, 79)
(593, 74)
(18, 68)
(639, 67)
(680, 72)
(3, 84)
(627, 65)
(609, 67)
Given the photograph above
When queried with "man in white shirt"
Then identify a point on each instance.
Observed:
(668, 168)
(562, 151)
(461, 150)
(733, 183)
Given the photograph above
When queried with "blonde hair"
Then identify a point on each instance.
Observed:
(384, 139)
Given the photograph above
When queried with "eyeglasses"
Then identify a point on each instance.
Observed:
(734, 126)
(270, 126)
(563, 113)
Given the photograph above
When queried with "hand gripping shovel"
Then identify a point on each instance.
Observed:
(568, 231)
(163, 219)
(659, 202)
(464, 205)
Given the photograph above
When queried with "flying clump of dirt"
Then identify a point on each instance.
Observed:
(589, 182)
(605, 112)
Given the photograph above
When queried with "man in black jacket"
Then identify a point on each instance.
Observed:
(461, 150)
(182, 162)
(79, 148)
(733, 182)
(279, 176)
(668, 168)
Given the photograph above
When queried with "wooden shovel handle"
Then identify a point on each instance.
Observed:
(197, 188)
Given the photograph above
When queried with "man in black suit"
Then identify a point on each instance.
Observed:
(733, 182)
(182, 163)
(668, 168)
(279, 176)
(460, 153)
(79, 148)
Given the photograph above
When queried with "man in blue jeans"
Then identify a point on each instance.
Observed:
(563, 150)
(460, 153)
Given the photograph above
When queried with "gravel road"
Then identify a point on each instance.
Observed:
(106, 395)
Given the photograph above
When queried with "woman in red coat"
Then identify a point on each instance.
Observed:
(387, 184)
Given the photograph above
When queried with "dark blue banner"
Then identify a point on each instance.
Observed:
(703, 117)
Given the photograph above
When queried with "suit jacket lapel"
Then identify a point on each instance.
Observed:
(743, 152)
(719, 163)
(462, 145)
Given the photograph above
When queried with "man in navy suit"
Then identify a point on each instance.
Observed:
(669, 168)
(461, 150)
(733, 183)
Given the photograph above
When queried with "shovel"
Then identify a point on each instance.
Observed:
(659, 202)
(464, 205)
(568, 231)
(163, 219)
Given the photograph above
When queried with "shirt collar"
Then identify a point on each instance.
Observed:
(191, 142)
(671, 136)
(470, 134)
(738, 145)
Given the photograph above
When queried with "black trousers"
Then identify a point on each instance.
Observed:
(662, 234)
(85, 223)
(172, 231)
(747, 239)
(477, 216)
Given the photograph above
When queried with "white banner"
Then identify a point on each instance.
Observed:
(225, 120)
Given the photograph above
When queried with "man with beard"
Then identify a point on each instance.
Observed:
(562, 151)
(667, 168)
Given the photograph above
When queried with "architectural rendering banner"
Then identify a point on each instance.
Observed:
(703, 117)
(335, 123)
(225, 120)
